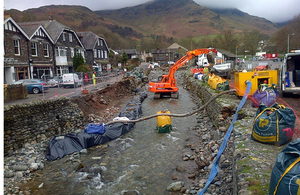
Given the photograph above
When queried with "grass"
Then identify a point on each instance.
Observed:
(258, 187)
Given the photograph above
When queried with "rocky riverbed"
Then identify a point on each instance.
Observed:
(244, 168)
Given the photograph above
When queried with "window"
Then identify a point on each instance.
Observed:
(64, 36)
(105, 54)
(101, 42)
(72, 52)
(99, 54)
(17, 47)
(34, 49)
(60, 51)
(98, 42)
(70, 37)
(46, 50)
(95, 53)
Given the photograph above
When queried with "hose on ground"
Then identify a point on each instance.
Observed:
(174, 115)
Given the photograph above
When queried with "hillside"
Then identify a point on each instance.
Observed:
(182, 18)
(78, 18)
(171, 18)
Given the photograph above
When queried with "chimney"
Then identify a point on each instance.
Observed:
(6, 15)
(50, 16)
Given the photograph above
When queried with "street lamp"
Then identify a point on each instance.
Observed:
(288, 42)
(236, 56)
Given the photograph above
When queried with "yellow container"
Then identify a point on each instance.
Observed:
(216, 81)
(256, 78)
(163, 120)
(211, 78)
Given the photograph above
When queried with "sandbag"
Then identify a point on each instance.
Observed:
(164, 129)
(285, 178)
(265, 94)
(267, 97)
(164, 122)
(60, 146)
(273, 125)
(94, 128)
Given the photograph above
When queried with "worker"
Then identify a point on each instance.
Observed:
(94, 79)
(205, 70)
(263, 86)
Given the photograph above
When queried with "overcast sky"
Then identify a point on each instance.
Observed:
(273, 10)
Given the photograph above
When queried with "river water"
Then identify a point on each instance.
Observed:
(139, 162)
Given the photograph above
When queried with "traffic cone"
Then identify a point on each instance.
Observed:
(56, 94)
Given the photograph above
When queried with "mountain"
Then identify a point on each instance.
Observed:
(183, 18)
(170, 18)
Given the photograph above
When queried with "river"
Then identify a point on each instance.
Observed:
(139, 162)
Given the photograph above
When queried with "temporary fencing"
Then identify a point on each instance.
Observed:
(77, 83)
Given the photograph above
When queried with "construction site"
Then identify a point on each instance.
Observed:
(157, 132)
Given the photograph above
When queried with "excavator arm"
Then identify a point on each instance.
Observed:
(167, 83)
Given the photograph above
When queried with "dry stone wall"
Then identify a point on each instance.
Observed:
(38, 121)
(219, 110)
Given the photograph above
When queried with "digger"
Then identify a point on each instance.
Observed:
(167, 83)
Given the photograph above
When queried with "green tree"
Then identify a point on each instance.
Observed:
(227, 40)
(77, 61)
(251, 40)
(124, 58)
(85, 68)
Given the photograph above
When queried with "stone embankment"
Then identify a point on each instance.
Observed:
(28, 128)
(38, 121)
(246, 165)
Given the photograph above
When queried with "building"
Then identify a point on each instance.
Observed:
(131, 53)
(66, 44)
(96, 50)
(41, 53)
(172, 53)
(16, 53)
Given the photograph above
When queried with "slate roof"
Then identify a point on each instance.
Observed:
(227, 53)
(176, 46)
(88, 39)
(128, 51)
(31, 27)
(53, 27)
(8, 18)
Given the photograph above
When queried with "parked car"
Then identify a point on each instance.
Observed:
(56, 81)
(71, 80)
(33, 85)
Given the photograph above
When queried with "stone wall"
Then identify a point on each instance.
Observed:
(38, 121)
(219, 109)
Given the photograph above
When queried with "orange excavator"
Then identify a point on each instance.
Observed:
(167, 83)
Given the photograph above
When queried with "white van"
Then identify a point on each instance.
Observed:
(290, 73)
(71, 80)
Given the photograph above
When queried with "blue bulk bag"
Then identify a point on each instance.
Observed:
(285, 176)
(267, 97)
(273, 125)
(93, 128)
